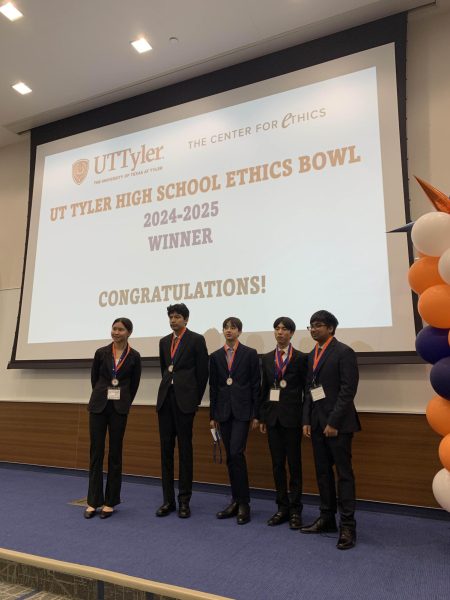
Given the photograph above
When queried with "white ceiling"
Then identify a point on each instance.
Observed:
(76, 54)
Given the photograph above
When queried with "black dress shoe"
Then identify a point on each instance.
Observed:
(295, 521)
(105, 514)
(230, 511)
(165, 509)
(321, 525)
(278, 518)
(88, 514)
(347, 538)
(243, 515)
(184, 512)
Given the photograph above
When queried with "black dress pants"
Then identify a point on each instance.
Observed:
(234, 435)
(174, 424)
(285, 444)
(329, 451)
(99, 423)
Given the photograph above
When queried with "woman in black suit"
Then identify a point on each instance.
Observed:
(115, 376)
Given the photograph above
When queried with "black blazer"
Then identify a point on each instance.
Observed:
(338, 374)
(190, 374)
(240, 398)
(288, 410)
(129, 376)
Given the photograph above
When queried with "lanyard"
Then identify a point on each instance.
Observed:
(116, 365)
(233, 355)
(280, 365)
(318, 355)
(175, 344)
(217, 445)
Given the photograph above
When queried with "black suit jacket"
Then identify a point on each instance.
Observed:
(288, 410)
(240, 398)
(338, 374)
(190, 374)
(129, 376)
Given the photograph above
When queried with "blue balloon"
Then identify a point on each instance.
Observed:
(432, 344)
(440, 377)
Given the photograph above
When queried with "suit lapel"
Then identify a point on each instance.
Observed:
(182, 346)
(237, 358)
(292, 361)
(328, 352)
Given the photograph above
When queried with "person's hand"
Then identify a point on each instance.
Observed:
(307, 431)
(262, 428)
(213, 424)
(255, 424)
(330, 431)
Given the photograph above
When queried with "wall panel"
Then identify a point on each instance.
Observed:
(395, 456)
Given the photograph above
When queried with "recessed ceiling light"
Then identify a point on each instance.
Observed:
(173, 40)
(22, 88)
(10, 11)
(141, 45)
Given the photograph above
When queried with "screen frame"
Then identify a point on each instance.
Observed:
(378, 33)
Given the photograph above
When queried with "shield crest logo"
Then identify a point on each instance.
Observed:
(80, 170)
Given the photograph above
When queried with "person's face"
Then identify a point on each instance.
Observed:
(119, 333)
(231, 333)
(177, 322)
(320, 332)
(283, 335)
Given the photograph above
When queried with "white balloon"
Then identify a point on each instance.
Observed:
(441, 488)
(431, 233)
(444, 266)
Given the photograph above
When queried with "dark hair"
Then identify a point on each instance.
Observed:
(235, 322)
(286, 321)
(323, 316)
(180, 309)
(125, 322)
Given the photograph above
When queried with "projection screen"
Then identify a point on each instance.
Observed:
(266, 200)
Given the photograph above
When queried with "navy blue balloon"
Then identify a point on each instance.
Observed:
(432, 344)
(440, 377)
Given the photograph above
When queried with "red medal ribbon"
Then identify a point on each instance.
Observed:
(317, 355)
(279, 364)
(230, 362)
(119, 363)
(174, 344)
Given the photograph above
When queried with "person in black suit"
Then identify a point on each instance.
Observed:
(234, 382)
(330, 419)
(183, 359)
(280, 413)
(115, 377)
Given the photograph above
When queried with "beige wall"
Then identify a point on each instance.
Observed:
(399, 388)
(14, 172)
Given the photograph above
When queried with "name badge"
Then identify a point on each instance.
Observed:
(317, 393)
(113, 393)
(274, 395)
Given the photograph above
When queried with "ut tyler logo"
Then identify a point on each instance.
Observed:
(80, 170)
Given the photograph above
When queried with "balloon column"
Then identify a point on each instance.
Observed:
(429, 277)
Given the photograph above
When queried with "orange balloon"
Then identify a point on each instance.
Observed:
(444, 451)
(438, 415)
(424, 273)
(434, 306)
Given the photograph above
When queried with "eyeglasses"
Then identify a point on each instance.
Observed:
(315, 326)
